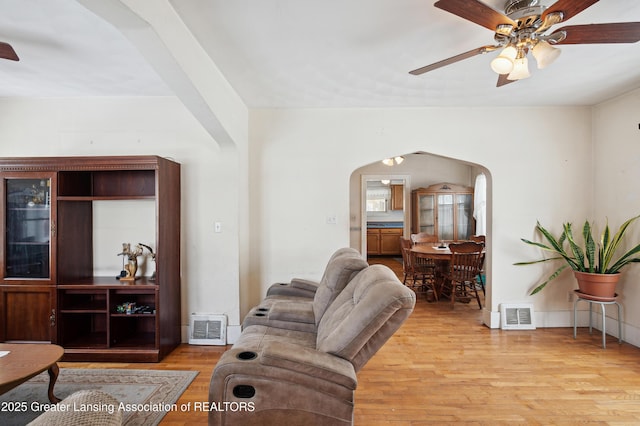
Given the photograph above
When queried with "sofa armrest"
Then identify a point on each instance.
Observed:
(292, 312)
(304, 284)
(297, 287)
(309, 362)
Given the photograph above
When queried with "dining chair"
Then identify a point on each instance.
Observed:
(419, 271)
(480, 277)
(460, 279)
(423, 238)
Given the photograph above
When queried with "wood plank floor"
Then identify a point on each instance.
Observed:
(444, 367)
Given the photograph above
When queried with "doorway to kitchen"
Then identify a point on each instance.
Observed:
(385, 213)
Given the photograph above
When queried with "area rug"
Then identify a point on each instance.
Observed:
(145, 395)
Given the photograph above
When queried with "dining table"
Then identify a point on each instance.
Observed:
(441, 255)
(432, 251)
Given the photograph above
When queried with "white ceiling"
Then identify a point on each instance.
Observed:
(298, 53)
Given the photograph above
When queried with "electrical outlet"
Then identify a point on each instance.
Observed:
(217, 227)
(331, 219)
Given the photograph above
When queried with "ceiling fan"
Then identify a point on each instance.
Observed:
(522, 28)
(7, 52)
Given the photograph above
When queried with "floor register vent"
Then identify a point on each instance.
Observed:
(517, 316)
(208, 329)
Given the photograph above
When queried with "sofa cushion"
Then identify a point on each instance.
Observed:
(253, 336)
(292, 312)
(338, 274)
(309, 361)
(364, 315)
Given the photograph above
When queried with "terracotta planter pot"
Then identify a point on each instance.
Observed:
(599, 285)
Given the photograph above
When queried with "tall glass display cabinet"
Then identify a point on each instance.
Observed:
(444, 210)
(28, 304)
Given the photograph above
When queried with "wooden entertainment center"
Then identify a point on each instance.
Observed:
(48, 288)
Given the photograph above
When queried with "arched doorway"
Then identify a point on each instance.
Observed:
(418, 170)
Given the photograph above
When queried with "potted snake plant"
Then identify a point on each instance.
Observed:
(591, 263)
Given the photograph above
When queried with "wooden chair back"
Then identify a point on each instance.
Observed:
(419, 272)
(465, 261)
(423, 238)
(478, 239)
(407, 264)
(463, 270)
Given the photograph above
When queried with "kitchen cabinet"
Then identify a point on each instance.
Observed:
(383, 241)
(48, 288)
(397, 197)
(444, 210)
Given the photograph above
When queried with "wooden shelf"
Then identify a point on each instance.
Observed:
(133, 315)
(100, 198)
(89, 340)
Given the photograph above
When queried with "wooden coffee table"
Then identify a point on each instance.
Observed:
(26, 360)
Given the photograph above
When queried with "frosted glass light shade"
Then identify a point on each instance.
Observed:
(545, 54)
(520, 69)
(503, 63)
(399, 159)
(388, 161)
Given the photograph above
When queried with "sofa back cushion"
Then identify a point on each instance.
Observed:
(365, 315)
(341, 268)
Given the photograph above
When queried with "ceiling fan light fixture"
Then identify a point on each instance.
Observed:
(520, 69)
(398, 159)
(545, 54)
(503, 63)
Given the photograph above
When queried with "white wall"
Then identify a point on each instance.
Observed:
(539, 160)
(149, 126)
(616, 192)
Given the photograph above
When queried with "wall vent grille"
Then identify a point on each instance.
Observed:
(517, 316)
(208, 329)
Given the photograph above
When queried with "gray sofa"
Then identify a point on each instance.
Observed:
(277, 376)
(288, 309)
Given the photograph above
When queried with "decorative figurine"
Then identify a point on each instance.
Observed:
(131, 267)
(153, 257)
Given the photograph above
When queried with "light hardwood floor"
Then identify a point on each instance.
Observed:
(445, 367)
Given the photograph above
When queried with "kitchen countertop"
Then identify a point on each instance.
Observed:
(385, 225)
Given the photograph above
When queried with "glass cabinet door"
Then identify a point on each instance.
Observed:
(28, 222)
(426, 214)
(464, 216)
(445, 217)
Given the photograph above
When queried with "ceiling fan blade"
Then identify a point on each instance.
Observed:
(502, 80)
(476, 12)
(454, 59)
(7, 52)
(569, 8)
(620, 32)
